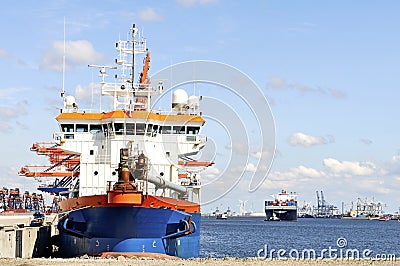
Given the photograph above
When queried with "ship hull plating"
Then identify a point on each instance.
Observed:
(95, 230)
(280, 214)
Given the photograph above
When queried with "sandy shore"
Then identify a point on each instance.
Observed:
(224, 261)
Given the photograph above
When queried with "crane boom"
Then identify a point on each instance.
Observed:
(143, 75)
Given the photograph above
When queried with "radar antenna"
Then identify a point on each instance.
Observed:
(103, 71)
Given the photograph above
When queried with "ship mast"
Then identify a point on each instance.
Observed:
(128, 94)
(133, 31)
(63, 68)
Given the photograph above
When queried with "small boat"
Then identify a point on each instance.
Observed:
(274, 218)
(38, 219)
(384, 218)
(222, 216)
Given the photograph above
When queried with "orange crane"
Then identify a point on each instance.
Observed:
(144, 79)
(195, 163)
(63, 163)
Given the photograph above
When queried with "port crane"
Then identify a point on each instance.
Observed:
(324, 209)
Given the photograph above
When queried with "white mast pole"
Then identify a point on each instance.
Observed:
(63, 70)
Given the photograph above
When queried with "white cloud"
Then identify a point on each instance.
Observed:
(366, 141)
(149, 14)
(79, 52)
(190, 3)
(11, 92)
(239, 148)
(211, 172)
(307, 172)
(84, 94)
(267, 153)
(9, 114)
(348, 168)
(374, 185)
(301, 139)
(257, 155)
(11, 108)
(3, 53)
(10, 179)
(5, 127)
(279, 83)
(257, 152)
(296, 173)
(250, 167)
(396, 158)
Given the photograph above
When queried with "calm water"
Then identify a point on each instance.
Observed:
(243, 237)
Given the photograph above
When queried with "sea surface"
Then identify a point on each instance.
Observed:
(254, 237)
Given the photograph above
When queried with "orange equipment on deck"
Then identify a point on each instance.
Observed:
(195, 163)
(63, 163)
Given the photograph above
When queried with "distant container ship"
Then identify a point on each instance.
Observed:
(282, 208)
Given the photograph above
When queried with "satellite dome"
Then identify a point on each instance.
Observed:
(179, 100)
(194, 102)
(69, 100)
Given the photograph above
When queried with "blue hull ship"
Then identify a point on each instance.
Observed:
(124, 179)
(96, 230)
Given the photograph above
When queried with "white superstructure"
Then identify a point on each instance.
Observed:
(167, 139)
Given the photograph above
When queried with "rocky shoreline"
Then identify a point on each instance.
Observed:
(199, 261)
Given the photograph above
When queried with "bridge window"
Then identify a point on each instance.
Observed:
(95, 128)
(130, 128)
(165, 130)
(149, 129)
(82, 127)
(154, 131)
(119, 128)
(67, 127)
(192, 130)
(178, 130)
(140, 128)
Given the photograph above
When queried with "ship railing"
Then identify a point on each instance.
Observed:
(91, 135)
(273, 203)
(58, 136)
(81, 110)
(196, 139)
(192, 112)
(190, 227)
(99, 135)
(122, 88)
(37, 169)
(189, 183)
(140, 185)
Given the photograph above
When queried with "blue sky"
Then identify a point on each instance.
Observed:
(329, 70)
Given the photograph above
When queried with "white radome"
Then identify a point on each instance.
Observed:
(69, 100)
(179, 100)
(194, 102)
